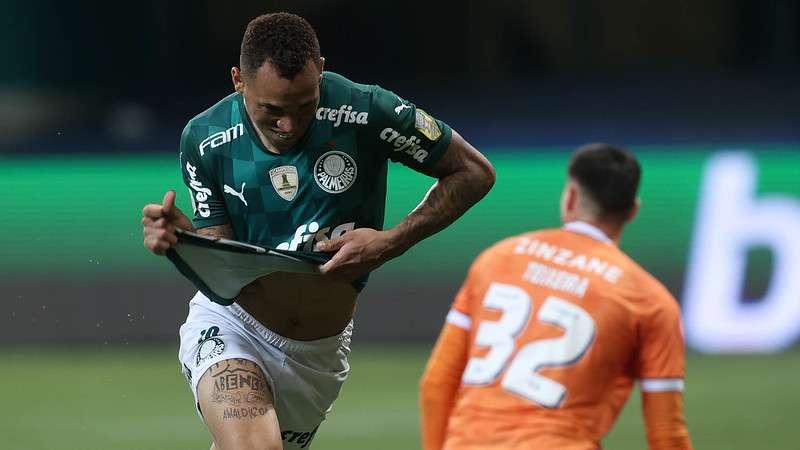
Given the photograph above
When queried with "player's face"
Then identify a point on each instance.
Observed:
(282, 109)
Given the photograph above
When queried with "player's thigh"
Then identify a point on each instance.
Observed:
(238, 407)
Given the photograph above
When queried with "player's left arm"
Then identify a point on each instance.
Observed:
(464, 176)
(440, 383)
(661, 372)
(665, 421)
(442, 377)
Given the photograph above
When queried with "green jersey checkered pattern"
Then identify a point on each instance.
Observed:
(332, 181)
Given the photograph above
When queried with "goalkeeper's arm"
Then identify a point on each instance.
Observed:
(664, 420)
(440, 383)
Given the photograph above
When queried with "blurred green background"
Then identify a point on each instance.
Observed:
(93, 96)
(100, 198)
(124, 394)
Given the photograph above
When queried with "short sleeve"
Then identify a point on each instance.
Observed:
(460, 313)
(470, 295)
(462, 301)
(661, 355)
(406, 133)
(208, 206)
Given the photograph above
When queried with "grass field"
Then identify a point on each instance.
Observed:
(135, 398)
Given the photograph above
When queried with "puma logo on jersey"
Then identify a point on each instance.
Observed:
(200, 195)
(344, 114)
(235, 193)
(309, 234)
(223, 137)
(410, 145)
(400, 108)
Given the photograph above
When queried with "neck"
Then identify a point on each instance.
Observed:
(612, 230)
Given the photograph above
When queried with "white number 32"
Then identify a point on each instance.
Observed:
(521, 377)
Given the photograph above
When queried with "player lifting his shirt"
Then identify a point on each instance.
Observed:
(551, 328)
(296, 158)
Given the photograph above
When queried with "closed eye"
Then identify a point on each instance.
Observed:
(278, 111)
(273, 110)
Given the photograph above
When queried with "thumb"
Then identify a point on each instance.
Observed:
(168, 204)
(331, 245)
(173, 213)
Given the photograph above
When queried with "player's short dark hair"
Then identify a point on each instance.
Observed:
(609, 175)
(286, 40)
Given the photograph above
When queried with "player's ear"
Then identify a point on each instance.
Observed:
(571, 193)
(635, 210)
(236, 77)
(567, 202)
(321, 66)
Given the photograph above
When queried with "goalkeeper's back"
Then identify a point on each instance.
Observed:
(544, 342)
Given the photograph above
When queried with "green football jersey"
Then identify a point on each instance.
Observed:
(332, 181)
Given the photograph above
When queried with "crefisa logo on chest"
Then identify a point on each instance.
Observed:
(335, 172)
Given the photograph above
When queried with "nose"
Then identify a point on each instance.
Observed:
(286, 124)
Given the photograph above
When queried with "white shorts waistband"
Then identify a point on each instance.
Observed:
(286, 344)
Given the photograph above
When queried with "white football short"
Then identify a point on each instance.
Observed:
(304, 376)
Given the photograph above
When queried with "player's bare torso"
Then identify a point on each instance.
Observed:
(300, 306)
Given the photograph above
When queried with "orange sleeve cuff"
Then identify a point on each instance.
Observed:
(440, 383)
(665, 422)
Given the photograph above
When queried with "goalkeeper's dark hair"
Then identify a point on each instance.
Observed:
(609, 175)
(286, 40)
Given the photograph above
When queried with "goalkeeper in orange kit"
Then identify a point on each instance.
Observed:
(551, 328)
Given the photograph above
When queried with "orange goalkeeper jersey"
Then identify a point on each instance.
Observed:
(560, 323)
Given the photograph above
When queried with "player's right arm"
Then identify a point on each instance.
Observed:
(210, 216)
(661, 373)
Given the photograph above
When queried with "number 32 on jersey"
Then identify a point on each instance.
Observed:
(522, 378)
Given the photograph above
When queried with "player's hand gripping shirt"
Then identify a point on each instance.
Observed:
(547, 335)
(331, 182)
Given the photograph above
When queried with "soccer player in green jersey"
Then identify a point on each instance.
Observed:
(296, 159)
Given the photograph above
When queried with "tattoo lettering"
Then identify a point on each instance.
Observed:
(235, 385)
(234, 381)
(244, 413)
(227, 397)
(255, 397)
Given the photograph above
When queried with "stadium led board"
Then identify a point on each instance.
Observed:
(719, 225)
